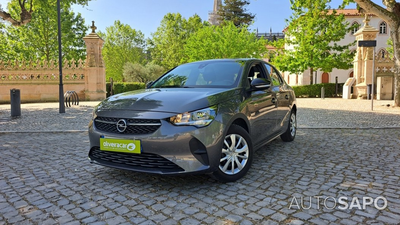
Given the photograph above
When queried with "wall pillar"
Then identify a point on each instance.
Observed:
(95, 80)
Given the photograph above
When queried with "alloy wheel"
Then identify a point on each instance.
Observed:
(293, 124)
(235, 154)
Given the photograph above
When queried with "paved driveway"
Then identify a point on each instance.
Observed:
(336, 160)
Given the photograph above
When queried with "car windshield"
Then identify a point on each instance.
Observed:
(202, 74)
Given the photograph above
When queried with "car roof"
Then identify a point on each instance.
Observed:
(247, 61)
(229, 60)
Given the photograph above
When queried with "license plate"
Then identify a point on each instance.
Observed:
(120, 145)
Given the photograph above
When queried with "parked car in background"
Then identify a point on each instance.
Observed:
(201, 117)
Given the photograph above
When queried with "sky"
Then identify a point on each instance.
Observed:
(146, 15)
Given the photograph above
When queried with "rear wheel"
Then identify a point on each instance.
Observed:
(236, 155)
(291, 130)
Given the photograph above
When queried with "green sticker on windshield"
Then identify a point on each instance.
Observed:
(120, 145)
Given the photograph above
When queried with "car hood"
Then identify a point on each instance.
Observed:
(168, 100)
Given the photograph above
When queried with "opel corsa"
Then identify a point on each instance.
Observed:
(200, 117)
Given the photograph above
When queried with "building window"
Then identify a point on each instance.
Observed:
(355, 26)
(382, 28)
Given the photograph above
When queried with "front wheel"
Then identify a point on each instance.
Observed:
(236, 155)
(290, 132)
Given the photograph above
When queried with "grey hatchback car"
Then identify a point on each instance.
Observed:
(201, 117)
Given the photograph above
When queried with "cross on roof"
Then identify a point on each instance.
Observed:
(93, 27)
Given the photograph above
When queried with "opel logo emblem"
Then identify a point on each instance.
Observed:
(121, 125)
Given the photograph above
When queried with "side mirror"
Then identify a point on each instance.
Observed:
(260, 83)
(148, 85)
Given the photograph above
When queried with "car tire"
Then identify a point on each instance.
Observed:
(291, 130)
(236, 155)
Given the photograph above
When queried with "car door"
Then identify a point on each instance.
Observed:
(278, 87)
(261, 107)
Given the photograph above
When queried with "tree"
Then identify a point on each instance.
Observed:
(313, 32)
(135, 72)
(277, 50)
(122, 44)
(35, 40)
(234, 11)
(154, 71)
(3, 42)
(226, 41)
(391, 14)
(168, 42)
(24, 9)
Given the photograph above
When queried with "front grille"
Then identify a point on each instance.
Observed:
(134, 126)
(142, 162)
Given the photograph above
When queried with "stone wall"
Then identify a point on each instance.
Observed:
(39, 81)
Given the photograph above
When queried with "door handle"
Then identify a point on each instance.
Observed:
(287, 97)
(273, 100)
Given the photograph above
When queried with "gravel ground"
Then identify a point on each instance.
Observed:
(312, 113)
(45, 177)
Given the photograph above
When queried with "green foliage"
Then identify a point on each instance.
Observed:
(234, 11)
(20, 12)
(314, 32)
(121, 87)
(135, 72)
(168, 42)
(38, 39)
(3, 42)
(278, 51)
(314, 90)
(154, 71)
(226, 41)
(390, 49)
(36, 4)
(122, 44)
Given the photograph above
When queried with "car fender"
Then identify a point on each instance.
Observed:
(226, 125)
(234, 120)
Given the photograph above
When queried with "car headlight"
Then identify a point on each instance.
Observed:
(94, 115)
(198, 118)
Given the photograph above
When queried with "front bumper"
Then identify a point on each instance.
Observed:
(169, 150)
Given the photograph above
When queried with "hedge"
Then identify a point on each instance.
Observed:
(314, 90)
(120, 87)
